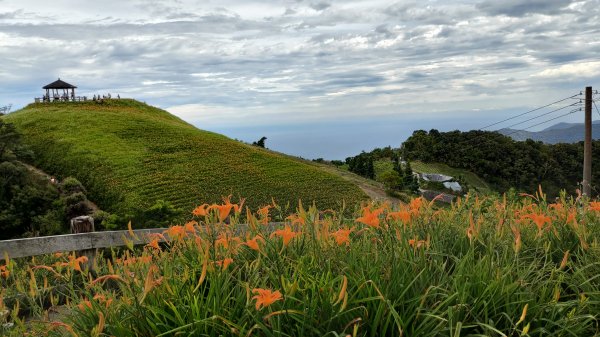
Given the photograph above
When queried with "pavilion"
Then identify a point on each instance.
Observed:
(53, 91)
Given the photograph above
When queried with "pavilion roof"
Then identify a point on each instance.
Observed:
(59, 84)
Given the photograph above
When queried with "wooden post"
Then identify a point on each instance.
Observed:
(587, 147)
(85, 224)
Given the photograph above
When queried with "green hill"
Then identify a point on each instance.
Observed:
(129, 155)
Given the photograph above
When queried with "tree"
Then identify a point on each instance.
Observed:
(409, 181)
(10, 139)
(260, 142)
(391, 180)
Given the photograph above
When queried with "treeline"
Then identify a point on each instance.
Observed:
(503, 162)
(399, 178)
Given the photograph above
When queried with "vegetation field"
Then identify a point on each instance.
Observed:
(129, 155)
(511, 266)
(470, 178)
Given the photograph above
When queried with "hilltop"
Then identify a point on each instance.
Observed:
(129, 155)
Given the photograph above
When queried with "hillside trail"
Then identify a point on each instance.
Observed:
(49, 177)
(373, 189)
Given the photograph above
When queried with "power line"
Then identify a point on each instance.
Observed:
(528, 120)
(598, 111)
(546, 121)
(542, 115)
(528, 112)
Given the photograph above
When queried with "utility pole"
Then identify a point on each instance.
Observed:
(587, 147)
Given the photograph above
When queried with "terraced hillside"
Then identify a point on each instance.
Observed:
(129, 155)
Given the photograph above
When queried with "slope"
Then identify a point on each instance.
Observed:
(129, 155)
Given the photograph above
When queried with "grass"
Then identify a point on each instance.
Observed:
(512, 266)
(129, 155)
(471, 178)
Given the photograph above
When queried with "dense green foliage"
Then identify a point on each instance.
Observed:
(482, 267)
(30, 203)
(362, 165)
(130, 155)
(384, 165)
(503, 162)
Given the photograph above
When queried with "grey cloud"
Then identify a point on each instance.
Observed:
(435, 15)
(519, 8)
(319, 6)
(205, 24)
(353, 79)
(10, 15)
(513, 64)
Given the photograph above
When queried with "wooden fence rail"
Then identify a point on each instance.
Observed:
(85, 241)
(72, 242)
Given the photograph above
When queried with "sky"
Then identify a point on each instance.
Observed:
(317, 78)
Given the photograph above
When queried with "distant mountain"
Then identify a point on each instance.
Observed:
(558, 133)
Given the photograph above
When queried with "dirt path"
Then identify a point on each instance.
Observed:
(48, 177)
(373, 189)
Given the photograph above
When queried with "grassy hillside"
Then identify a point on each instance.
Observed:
(129, 154)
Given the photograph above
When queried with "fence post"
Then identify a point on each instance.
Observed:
(85, 224)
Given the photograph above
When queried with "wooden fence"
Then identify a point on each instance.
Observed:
(72, 242)
(84, 241)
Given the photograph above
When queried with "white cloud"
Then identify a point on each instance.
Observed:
(234, 62)
(579, 69)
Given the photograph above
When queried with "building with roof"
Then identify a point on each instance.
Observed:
(59, 90)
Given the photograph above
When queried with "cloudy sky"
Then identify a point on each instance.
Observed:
(318, 78)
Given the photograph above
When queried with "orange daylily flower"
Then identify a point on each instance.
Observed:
(48, 268)
(4, 272)
(224, 263)
(176, 232)
(150, 281)
(189, 227)
(539, 219)
(74, 262)
(237, 208)
(200, 210)
(225, 241)
(56, 324)
(370, 218)
(265, 297)
(253, 243)
(286, 234)
(557, 206)
(295, 219)
(153, 244)
(264, 214)
(400, 215)
(264, 211)
(342, 236)
(145, 259)
(224, 211)
(84, 304)
(102, 299)
(101, 279)
(594, 206)
(416, 243)
(416, 204)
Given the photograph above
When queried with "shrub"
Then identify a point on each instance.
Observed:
(71, 185)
